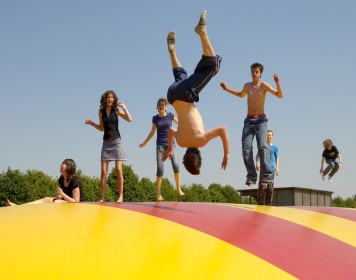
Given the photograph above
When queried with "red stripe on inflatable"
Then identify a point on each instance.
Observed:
(300, 251)
(344, 213)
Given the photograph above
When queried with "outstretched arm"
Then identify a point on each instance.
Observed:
(149, 137)
(99, 127)
(169, 152)
(232, 91)
(221, 132)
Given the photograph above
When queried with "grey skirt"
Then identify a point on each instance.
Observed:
(113, 150)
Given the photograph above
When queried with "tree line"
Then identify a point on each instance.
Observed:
(21, 187)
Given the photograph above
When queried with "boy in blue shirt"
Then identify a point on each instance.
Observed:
(274, 163)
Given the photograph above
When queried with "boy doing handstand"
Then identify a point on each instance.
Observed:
(183, 93)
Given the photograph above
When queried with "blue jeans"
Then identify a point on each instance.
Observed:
(160, 149)
(333, 165)
(258, 128)
(265, 193)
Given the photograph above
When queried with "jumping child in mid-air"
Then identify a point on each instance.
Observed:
(182, 94)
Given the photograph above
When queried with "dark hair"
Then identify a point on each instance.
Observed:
(104, 96)
(71, 169)
(258, 66)
(327, 141)
(162, 100)
(192, 161)
(269, 130)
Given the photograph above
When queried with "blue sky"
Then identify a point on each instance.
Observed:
(58, 57)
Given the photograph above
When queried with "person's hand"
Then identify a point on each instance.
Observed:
(276, 172)
(223, 85)
(257, 167)
(276, 78)
(121, 104)
(321, 170)
(167, 154)
(225, 161)
(88, 121)
(141, 145)
(60, 192)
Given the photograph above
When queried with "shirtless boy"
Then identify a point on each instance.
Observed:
(183, 93)
(256, 123)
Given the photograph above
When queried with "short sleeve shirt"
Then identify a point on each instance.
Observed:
(162, 124)
(74, 183)
(331, 154)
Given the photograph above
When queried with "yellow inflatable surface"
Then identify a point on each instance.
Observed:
(176, 240)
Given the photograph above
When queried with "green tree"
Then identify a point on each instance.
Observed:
(231, 195)
(90, 185)
(41, 185)
(197, 193)
(169, 192)
(22, 188)
(147, 190)
(350, 203)
(13, 185)
(338, 202)
(132, 191)
(216, 194)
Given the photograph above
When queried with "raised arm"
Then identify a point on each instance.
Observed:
(99, 127)
(149, 137)
(278, 93)
(125, 114)
(232, 91)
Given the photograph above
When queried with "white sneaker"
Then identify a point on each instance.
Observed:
(329, 179)
(323, 176)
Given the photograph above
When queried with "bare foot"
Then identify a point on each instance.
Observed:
(179, 191)
(160, 198)
(201, 27)
(9, 203)
(121, 198)
(171, 41)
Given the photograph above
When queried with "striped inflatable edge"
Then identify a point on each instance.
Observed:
(176, 240)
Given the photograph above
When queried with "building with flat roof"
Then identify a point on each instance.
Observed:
(294, 196)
